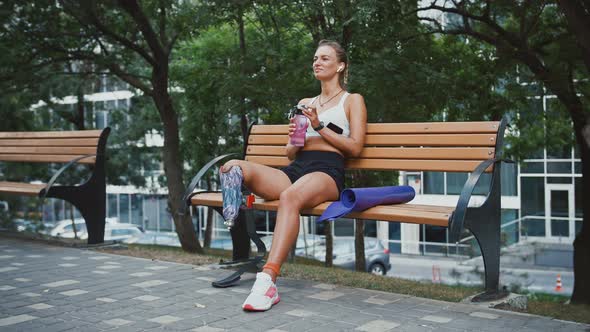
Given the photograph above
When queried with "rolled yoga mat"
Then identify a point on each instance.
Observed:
(359, 199)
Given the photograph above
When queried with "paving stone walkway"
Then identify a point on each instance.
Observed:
(48, 288)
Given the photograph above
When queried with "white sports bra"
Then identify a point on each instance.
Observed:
(335, 115)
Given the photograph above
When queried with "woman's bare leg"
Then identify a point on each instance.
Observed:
(310, 190)
(262, 180)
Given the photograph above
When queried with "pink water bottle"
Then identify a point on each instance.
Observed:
(298, 137)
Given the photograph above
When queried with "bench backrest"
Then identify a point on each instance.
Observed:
(427, 146)
(51, 146)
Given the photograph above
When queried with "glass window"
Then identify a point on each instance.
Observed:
(370, 228)
(112, 201)
(136, 209)
(578, 167)
(88, 114)
(509, 177)
(532, 196)
(125, 103)
(559, 167)
(533, 227)
(124, 208)
(151, 212)
(510, 233)
(395, 234)
(455, 182)
(344, 227)
(165, 216)
(99, 106)
(483, 185)
(532, 167)
(508, 215)
(435, 234)
(111, 105)
(434, 183)
(100, 119)
(559, 180)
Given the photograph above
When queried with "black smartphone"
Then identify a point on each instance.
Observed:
(335, 128)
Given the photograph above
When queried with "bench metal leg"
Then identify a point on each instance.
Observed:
(484, 224)
(243, 231)
(90, 200)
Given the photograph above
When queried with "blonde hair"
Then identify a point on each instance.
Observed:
(342, 57)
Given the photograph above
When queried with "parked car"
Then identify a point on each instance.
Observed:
(65, 229)
(304, 247)
(376, 255)
(117, 232)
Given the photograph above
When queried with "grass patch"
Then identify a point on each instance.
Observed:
(369, 281)
(557, 306)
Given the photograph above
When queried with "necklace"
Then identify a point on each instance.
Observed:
(324, 103)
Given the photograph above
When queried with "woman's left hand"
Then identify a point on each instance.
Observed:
(312, 114)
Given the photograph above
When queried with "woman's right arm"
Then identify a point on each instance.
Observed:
(292, 151)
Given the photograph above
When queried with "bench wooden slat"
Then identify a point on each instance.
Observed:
(53, 134)
(459, 140)
(420, 214)
(432, 140)
(386, 164)
(50, 142)
(402, 128)
(45, 158)
(394, 153)
(21, 188)
(47, 150)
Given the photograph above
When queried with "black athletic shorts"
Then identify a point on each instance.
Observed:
(307, 162)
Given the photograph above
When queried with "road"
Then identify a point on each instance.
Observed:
(452, 271)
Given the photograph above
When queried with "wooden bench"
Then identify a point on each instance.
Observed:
(68, 147)
(473, 147)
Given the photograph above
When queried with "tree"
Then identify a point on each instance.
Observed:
(550, 39)
(123, 38)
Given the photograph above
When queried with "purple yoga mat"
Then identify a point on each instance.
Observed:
(359, 199)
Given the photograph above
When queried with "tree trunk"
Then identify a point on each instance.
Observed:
(359, 245)
(581, 292)
(329, 244)
(79, 115)
(243, 52)
(173, 161)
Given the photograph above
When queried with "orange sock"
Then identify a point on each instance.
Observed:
(274, 267)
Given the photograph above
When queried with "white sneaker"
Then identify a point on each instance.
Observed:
(263, 295)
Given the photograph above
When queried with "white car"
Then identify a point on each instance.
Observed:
(121, 232)
(65, 229)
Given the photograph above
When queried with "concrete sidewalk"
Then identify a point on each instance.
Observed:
(48, 288)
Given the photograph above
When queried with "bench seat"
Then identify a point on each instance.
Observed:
(19, 188)
(410, 213)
